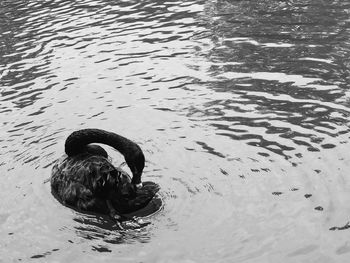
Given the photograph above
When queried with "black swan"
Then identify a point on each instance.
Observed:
(85, 179)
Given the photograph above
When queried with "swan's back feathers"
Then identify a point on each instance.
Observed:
(81, 171)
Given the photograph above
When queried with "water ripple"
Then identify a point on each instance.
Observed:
(242, 110)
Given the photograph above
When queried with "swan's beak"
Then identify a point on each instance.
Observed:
(138, 186)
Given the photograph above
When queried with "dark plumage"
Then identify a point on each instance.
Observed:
(85, 179)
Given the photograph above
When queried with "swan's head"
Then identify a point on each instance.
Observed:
(136, 178)
(136, 181)
(136, 165)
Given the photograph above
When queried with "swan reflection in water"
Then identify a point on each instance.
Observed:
(86, 180)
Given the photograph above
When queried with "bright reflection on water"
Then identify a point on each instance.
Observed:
(242, 109)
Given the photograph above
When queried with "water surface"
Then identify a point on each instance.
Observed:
(241, 107)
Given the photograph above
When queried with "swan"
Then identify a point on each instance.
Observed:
(85, 179)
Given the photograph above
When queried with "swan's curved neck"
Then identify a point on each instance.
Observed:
(77, 141)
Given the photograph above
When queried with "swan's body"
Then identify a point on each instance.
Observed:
(85, 179)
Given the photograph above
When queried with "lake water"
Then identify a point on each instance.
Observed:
(241, 107)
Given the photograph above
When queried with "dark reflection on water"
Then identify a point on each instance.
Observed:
(100, 228)
(241, 107)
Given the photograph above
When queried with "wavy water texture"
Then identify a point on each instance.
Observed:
(241, 107)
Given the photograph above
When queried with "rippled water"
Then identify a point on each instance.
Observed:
(241, 107)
